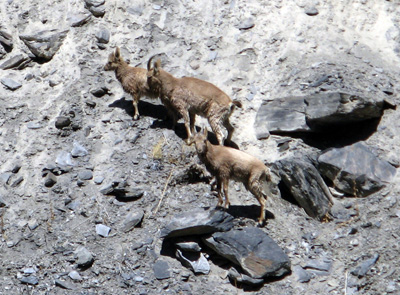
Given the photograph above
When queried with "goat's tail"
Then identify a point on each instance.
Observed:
(233, 104)
(237, 103)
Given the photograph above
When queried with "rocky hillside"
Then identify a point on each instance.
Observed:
(94, 202)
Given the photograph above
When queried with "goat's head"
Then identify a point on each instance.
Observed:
(200, 141)
(153, 73)
(114, 60)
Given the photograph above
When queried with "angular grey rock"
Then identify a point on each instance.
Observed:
(132, 219)
(161, 270)
(14, 62)
(355, 170)
(311, 11)
(320, 267)
(29, 280)
(64, 285)
(62, 122)
(302, 275)
(253, 250)
(362, 269)
(45, 44)
(107, 189)
(97, 11)
(5, 177)
(6, 40)
(103, 36)
(94, 3)
(130, 193)
(306, 185)
(195, 261)
(75, 275)
(237, 277)
(246, 24)
(197, 222)
(315, 112)
(84, 257)
(78, 150)
(98, 179)
(85, 175)
(78, 20)
(34, 125)
(99, 92)
(102, 230)
(281, 116)
(189, 246)
(10, 83)
(64, 159)
(50, 180)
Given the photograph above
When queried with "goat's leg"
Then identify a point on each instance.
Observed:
(186, 118)
(219, 191)
(216, 128)
(192, 122)
(256, 189)
(230, 130)
(225, 185)
(135, 106)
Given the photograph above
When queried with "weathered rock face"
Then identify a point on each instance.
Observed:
(45, 44)
(340, 108)
(253, 250)
(314, 112)
(306, 186)
(355, 170)
(197, 222)
(281, 115)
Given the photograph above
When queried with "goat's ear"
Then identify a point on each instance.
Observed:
(117, 52)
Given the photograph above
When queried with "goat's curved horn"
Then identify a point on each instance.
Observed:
(149, 62)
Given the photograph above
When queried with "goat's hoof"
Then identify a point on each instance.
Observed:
(261, 223)
(136, 117)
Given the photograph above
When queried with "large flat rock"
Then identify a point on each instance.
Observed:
(355, 169)
(197, 222)
(253, 250)
(281, 115)
(314, 112)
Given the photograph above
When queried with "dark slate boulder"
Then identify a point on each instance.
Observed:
(355, 170)
(306, 185)
(315, 112)
(253, 250)
(197, 222)
(338, 108)
(281, 115)
(18, 61)
(6, 40)
(44, 44)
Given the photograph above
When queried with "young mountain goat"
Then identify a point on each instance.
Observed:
(190, 97)
(132, 79)
(225, 163)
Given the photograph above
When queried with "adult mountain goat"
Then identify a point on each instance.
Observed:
(225, 163)
(190, 97)
(132, 79)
